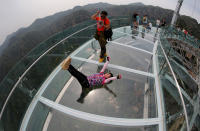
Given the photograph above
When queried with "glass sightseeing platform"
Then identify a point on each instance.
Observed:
(146, 98)
(125, 103)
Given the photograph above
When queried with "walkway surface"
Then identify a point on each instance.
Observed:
(128, 102)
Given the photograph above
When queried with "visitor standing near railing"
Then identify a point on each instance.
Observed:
(149, 27)
(185, 33)
(157, 24)
(136, 20)
(145, 20)
(144, 23)
(163, 23)
(103, 23)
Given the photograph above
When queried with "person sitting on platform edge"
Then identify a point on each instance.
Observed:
(103, 24)
(91, 82)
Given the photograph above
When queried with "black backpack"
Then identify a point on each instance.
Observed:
(108, 34)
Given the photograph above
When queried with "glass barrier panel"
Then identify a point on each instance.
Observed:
(174, 117)
(56, 84)
(11, 78)
(142, 60)
(188, 85)
(134, 41)
(38, 118)
(142, 33)
(32, 81)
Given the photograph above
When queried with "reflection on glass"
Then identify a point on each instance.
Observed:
(91, 92)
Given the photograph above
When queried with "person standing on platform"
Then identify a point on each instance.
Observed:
(103, 23)
(145, 21)
(135, 24)
(157, 25)
(163, 23)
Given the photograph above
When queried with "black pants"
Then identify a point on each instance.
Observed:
(82, 80)
(102, 42)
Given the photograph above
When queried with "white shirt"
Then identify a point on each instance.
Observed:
(157, 22)
(150, 25)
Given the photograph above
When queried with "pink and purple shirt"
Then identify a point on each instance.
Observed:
(98, 79)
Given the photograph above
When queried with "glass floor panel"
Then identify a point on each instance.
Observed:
(135, 42)
(60, 122)
(149, 35)
(121, 56)
(127, 29)
(127, 57)
(130, 97)
(125, 39)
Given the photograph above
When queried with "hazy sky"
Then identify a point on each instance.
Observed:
(15, 14)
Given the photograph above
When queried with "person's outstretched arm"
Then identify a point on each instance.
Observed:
(113, 78)
(93, 17)
(105, 65)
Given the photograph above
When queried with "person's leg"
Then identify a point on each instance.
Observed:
(96, 36)
(66, 65)
(79, 76)
(102, 42)
(103, 51)
(84, 93)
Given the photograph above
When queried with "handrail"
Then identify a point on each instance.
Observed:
(20, 78)
(178, 87)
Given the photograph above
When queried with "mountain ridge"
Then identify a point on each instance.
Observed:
(23, 40)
